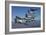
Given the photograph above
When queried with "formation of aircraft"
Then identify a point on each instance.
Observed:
(29, 17)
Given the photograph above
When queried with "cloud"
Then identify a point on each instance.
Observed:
(37, 18)
(13, 18)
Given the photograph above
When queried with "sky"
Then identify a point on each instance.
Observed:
(21, 11)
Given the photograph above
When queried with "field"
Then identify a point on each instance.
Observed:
(26, 25)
